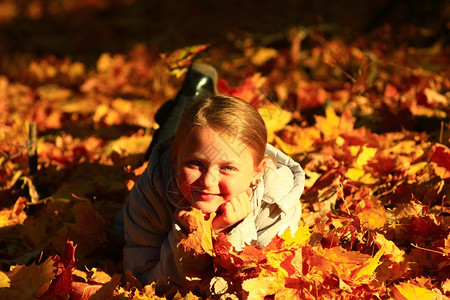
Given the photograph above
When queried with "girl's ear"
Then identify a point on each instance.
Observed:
(259, 170)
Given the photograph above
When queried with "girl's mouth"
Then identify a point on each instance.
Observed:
(204, 196)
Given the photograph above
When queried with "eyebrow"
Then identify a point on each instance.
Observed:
(220, 161)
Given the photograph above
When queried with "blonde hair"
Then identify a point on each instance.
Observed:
(229, 116)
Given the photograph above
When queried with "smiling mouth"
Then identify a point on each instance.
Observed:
(206, 196)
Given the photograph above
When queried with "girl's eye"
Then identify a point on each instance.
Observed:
(228, 168)
(196, 163)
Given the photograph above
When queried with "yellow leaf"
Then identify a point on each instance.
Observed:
(360, 175)
(301, 237)
(77, 69)
(332, 125)
(31, 281)
(101, 111)
(100, 276)
(260, 287)
(275, 118)
(262, 55)
(364, 154)
(104, 62)
(121, 105)
(128, 145)
(409, 291)
(5, 282)
(297, 140)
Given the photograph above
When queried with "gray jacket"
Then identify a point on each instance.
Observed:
(151, 234)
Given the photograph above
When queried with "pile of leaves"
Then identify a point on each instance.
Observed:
(367, 120)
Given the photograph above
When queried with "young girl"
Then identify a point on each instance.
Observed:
(218, 161)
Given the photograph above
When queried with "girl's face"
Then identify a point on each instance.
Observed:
(213, 168)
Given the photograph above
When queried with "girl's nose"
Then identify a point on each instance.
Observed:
(210, 178)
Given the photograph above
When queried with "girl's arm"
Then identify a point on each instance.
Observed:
(151, 238)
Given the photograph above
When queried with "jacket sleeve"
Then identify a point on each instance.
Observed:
(150, 235)
(281, 207)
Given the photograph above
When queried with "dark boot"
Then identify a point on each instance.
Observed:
(200, 81)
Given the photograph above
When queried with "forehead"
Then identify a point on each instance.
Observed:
(206, 141)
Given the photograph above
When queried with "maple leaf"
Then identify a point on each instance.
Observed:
(294, 140)
(27, 282)
(275, 118)
(248, 90)
(351, 266)
(300, 238)
(200, 237)
(62, 283)
(390, 250)
(332, 125)
(195, 249)
(358, 173)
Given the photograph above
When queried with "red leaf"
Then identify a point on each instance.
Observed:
(61, 285)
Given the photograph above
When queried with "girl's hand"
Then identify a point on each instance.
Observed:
(233, 211)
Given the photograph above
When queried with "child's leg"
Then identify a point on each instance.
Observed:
(200, 81)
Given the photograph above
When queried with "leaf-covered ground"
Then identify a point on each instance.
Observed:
(368, 120)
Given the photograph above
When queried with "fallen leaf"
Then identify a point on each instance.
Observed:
(409, 291)
(28, 282)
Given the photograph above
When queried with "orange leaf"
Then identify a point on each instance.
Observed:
(351, 266)
(196, 248)
(389, 248)
(373, 218)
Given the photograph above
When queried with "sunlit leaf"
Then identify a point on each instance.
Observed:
(275, 118)
(409, 291)
(373, 218)
(332, 125)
